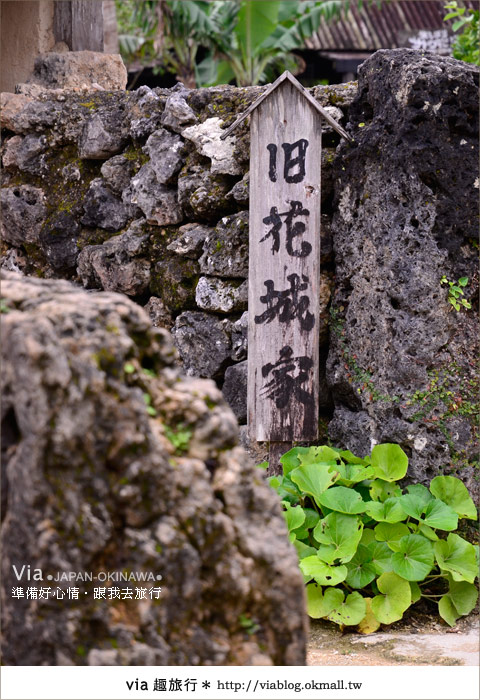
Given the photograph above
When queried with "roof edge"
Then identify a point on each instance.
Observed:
(286, 75)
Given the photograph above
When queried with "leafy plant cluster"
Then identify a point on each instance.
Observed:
(368, 549)
(207, 43)
(456, 293)
(467, 41)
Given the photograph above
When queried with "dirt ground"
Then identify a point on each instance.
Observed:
(420, 639)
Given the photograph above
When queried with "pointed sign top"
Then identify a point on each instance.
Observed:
(288, 76)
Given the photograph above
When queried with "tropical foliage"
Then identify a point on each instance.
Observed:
(466, 46)
(369, 549)
(249, 41)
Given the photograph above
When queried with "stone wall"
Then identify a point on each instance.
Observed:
(135, 193)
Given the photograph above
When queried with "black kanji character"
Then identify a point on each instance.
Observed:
(285, 385)
(300, 150)
(287, 304)
(299, 159)
(293, 229)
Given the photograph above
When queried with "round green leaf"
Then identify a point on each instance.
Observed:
(389, 461)
(397, 598)
(339, 535)
(380, 490)
(391, 533)
(463, 595)
(353, 473)
(427, 532)
(313, 479)
(295, 517)
(416, 592)
(343, 500)
(286, 489)
(454, 493)
(351, 611)
(349, 457)
(447, 610)
(360, 569)
(320, 604)
(323, 574)
(368, 536)
(414, 558)
(381, 557)
(389, 511)
(420, 492)
(311, 518)
(457, 556)
(290, 460)
(438, 514)
(412, 505)
(369, 624)
(320, 454)
(303, 550)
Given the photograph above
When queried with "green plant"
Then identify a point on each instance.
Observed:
(260, 38)
(148, 403)
(250, 41)
(167, 34)
(368, 549)
(179, 438)
(466, 44)
(455, 292)
(4, 307)
(249, 625)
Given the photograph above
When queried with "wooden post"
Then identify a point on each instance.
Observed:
(275, 451)
(284, 265)
(79, 23)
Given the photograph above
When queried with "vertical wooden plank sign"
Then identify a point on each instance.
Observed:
(284, 267)
(284, 263)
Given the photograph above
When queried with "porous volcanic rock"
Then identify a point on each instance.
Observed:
(204, 343)
(95, 483)
(119, 265)
(79, 69)
(401, 360)
(23, 213)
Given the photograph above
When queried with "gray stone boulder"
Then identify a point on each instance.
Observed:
(23, 212)
(202, 194)
(158, 202)
(174, 280)
(226, 250)
(401, 360)
(121, 264)
(234, 390)
(221, 296)
(59, 241)
(204, 343)
(189, 243)
(145, 111)
(167, 155)
(101, 208)
(22, 153)
(158, 312)
(240, 192)
(79, 69)
(177, 113)
(109, 468)
(117, 173)
(240, 338)
(221, 152)
(103, 135)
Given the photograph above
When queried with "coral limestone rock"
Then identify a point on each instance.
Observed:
(95, 483)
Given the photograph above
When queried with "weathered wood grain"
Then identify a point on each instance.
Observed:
(79, 23)
(284, 268)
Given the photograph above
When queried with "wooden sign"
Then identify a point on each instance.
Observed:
(284, 262)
